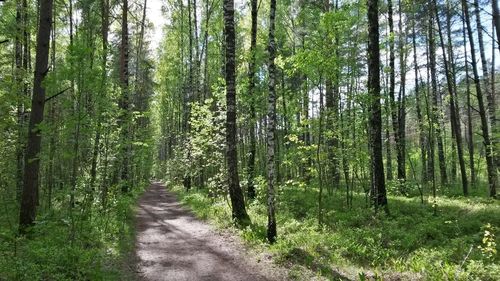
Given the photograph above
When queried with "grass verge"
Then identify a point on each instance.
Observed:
(457, 242)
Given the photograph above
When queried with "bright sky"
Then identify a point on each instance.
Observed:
(154, 14)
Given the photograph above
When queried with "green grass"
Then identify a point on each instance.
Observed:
(100, 250)
(413, 240)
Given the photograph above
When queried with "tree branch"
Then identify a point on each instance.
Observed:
(60, 93)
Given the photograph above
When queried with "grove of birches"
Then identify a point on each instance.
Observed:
(337, 135)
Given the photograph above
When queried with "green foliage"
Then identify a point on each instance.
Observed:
(412, 241)
(98, 249)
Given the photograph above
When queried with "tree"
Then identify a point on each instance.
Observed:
(392, 86)
(378, 191)
(401, 114)
(271, 127)
(454, 114)
(29, 198)
(239, 212)
(251, 94)
(496, 20)
(124, 99)
(436, 117)
(490, 162)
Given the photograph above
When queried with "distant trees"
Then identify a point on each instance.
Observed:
(279, 135)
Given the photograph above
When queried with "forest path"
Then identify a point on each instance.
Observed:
(171, 244)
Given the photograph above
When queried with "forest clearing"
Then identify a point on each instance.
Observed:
(249, 140)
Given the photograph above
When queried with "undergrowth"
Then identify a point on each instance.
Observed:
(95, 245)
(457, 242)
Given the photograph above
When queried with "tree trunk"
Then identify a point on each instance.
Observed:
(436, 120)
(32, 161)
(490, 96)
(420, 120)
(454, 113)
(378, 192)
(124, 101)
(19, 73)
(392, 86)
(470, 135)
(496, 20)
(104, 58)
(271, 128)
(239, 212)
(401, 121)
(251, 94)
(490, 163)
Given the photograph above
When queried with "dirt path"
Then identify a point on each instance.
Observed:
(172, 244)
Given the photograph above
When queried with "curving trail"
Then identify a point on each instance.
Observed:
(171, 244)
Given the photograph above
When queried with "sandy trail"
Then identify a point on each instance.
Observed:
(172, 244)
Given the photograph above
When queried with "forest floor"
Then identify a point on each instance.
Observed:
(172, 244)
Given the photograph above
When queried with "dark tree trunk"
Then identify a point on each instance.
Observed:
(239, 212)
(378, 192)
(271, 127)
(332, 103)
(251, 94)
(401, 121)
(32, 161)
(420, 120)
(490, 163)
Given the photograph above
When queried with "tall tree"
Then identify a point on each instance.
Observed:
(401, 114)
(124, 99)
(271, 127)
(32, 158)
(392, 84)
(378, 191)
(496, 20)
(490, 162)
(436, 117)
(470, 135)
(251, 94)
(239, 212)
(454, 114)
(490, 95)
